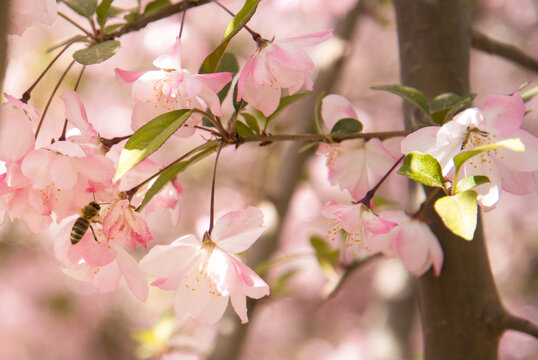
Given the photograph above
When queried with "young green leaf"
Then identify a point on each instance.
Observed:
(168, 174)
(156, 5)
(459, 213)
(412, 95)
(228, 63)
(444, 106)
(251, 122)
(84, 8)
(71, 40)
(347, 126)
(470, 182)
(423, 168)
(102, 11)
(285, 101)
(212, 61)
(511, 144)
(149, 138)
(243, 130)
(528, 94)
(97, 53)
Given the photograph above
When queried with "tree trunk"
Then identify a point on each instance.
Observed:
(460, 309)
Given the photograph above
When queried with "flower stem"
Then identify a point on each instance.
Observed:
(51, 97)
(370, 194)
(256, 36)
(75, 24)
(26, 95)
(212, 203)
(182, 23)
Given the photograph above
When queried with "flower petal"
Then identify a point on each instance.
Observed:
(135, 278)
(503, 114)
(238, 230)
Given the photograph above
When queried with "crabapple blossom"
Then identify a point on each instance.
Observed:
(353, 165)
(123, 225)
(103, 263)
(24, 12)
(206, 274)
(499, 118)
(412, 241)
(275, 66)
(360, 224)
(76, 114)
(173, 88)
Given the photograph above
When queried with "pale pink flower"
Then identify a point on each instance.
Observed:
(24, 12)
(412, 241)
(167, 200)
(275, 66)
(499, 118)
(360, 224)
(123, 225)
(354, 165)
(206, 274)
(75, 113)
(102, 263)
(172, 88)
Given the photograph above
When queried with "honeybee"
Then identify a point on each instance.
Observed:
(90, 213)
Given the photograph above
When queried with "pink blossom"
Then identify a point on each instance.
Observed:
(172, 88)
(167, 200)
(499, 118)
(360, 224)
(123, 225)
(25, 12)
(206, 274)
(102, 263)
(354, 165)
(275, 66)
(75, 113)
(412, 241)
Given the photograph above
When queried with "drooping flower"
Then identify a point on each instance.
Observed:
(102, 263)
(277, 65)
(360, 224)
(173, 88)
(206, 274)
(412, 241)
(123, 225)
(499, 118)
(354, 165)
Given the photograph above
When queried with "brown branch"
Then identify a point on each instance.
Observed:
(322, 137)
(162, 13)
(483, 42)
(513, 322)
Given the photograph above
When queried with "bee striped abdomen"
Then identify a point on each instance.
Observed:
(90, 213)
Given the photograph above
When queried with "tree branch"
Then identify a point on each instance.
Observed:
(483, 42)
(156, 15)
(323, 137)
(513, 322)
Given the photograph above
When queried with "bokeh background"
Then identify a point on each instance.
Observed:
(46, 315)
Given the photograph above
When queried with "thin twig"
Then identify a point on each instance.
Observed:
(75, 24)
(213, 181)
(322, 137)
(51, 97)
(512, 322)
(483, 42)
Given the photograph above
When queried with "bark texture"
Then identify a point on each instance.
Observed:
(460, 310)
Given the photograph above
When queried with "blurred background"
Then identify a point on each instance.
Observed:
(46, 315)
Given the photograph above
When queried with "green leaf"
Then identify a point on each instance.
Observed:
(412, 95)
(238, 105)
(228, 63)
(243, 130)
(97, 53)
(327, 257)
(155, 5)
(423, 168)
(212, 61)
(444, 106)
(347, 126)
(464, 102)
(251, 122)
(85, 8)
(149, 138)
(470, 182)
(168, 174)
(280, 285)
(511, 144)
(459, 213)
(285, 101)
(528, 94)
(102, 11)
